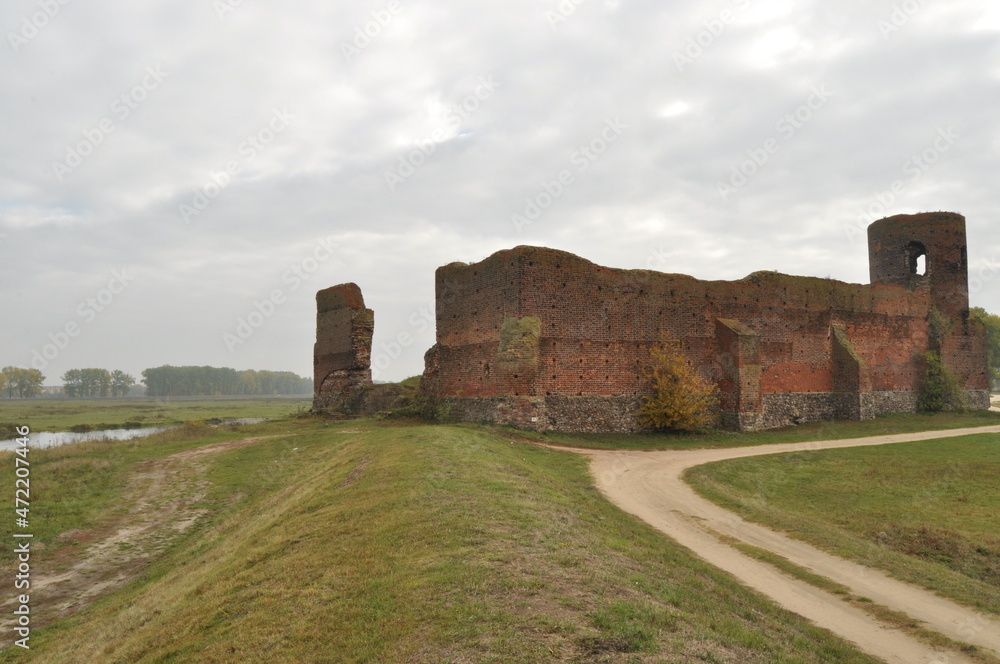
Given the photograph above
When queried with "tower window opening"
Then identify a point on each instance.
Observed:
(916, 254)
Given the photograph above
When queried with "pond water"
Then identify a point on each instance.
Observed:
(40, 439)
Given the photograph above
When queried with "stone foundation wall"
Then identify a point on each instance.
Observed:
(551, 413)
(618, 414)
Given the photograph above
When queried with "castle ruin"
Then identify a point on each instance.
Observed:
(542, 339)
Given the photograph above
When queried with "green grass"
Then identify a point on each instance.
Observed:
(371, 542)
(832, 430)
(926, 512)
(62, 415)
(78, 486)
(785, 565)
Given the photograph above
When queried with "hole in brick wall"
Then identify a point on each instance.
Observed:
(553, 376)
(916, 256)
(558, 266)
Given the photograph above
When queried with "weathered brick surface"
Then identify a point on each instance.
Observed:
(544, 339)
(342, 354)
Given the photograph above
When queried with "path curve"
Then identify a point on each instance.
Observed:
(649, 486)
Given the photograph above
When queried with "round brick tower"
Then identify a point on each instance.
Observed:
(926, 249)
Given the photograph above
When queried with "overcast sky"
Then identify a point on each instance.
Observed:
(170, 168)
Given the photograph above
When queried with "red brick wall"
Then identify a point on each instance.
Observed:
(595, 325)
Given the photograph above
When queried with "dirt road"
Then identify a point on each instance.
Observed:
(649, 485)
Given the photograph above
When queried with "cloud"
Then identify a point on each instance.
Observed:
(371, 89)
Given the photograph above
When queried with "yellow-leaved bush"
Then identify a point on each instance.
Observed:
(682, 400)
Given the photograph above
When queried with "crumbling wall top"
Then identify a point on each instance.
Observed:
(339, 297)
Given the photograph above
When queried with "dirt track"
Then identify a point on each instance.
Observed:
(162, 495)
(649, 485)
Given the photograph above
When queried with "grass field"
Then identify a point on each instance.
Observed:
(924, 511)
(62, 415)
(374, 542)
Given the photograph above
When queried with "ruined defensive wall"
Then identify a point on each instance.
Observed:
(546, 340)
(343, 350)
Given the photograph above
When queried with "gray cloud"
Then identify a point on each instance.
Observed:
(650, 199)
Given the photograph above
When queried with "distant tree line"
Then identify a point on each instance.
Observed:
(97, 383)
(23, 383)
(168, 381)
(165, 381)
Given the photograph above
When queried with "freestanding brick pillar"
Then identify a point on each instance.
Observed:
(342, 354)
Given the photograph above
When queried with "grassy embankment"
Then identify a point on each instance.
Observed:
(64, 415)
(926, 512)
(360, 541)
(364, 542)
